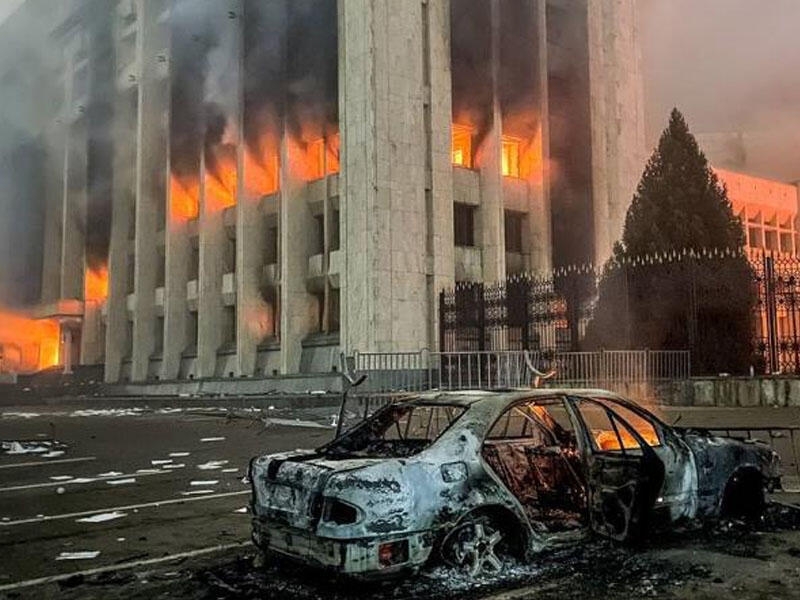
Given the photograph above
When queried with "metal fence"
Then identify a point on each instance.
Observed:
(778, 314)
(420, 371)
(697, 301)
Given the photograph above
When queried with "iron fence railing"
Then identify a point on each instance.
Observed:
(420, 371)
(698, 300)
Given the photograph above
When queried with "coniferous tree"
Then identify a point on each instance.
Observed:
(678, 278)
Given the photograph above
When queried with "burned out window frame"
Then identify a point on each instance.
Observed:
(555, 399)
(589, 440)
(458, 411)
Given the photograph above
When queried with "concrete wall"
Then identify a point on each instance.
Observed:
(724, 392)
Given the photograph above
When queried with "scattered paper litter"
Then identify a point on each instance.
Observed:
(178, 466)
(102, 517)
(229, 470)
(60, 477)
(83, 480)
(204, 482)
(179, 454)
(120, 539)
(110, 474)
(121, 481)
(197, 492)
(148, 470)
(212, 465)
(212, 439)
(83, 555)
(160, 462)
(241, 510)
(53, 454)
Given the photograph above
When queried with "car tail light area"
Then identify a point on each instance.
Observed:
(393, 553)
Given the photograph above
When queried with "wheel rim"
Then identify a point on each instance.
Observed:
(476, 550)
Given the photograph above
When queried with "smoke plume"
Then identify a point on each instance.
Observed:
(731, 66)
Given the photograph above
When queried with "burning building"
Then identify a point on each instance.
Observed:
(240, 188)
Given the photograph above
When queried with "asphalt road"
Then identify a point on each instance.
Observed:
(172, 481)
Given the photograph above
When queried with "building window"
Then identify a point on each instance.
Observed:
(194, 261)
(462, 146)
(271, 248)
(333, 310)
(159, 334)
(230, 254)
(161, 267)
(229, 325)
(513, 223)
(464, 224)
(131, 282)
(510, 157)
(192, 331)
(319, 229)
(334, 230)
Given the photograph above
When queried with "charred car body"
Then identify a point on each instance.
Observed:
(468, 476)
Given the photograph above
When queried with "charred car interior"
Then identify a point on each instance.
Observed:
(468, 477)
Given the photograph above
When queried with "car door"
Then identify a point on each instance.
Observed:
(624, 474)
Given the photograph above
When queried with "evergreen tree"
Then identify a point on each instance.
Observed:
(678, 278)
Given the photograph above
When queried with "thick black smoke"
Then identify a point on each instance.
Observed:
(312, 68)
(24, 94)
(471, 66)
(265, 39)
(99, 130)
(193, 37)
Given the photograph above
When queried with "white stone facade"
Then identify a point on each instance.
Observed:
(353, 259)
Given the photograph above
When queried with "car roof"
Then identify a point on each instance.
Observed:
(470, 397)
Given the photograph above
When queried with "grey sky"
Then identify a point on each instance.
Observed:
(729, 65)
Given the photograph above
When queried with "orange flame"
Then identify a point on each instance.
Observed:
(261, 175)
(315, 159)
(221, 183)
(95, 285)
(184, 198)
(28, 344)
(462, 146)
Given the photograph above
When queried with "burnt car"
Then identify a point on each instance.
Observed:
(470, 477)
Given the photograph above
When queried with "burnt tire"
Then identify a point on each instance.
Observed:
(479, 546)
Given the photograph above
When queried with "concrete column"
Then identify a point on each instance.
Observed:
(617, 115)
(439, 192)
(491, 212)
(539, 216)
(73, 222)
(254, 317)
(298, 307)
(119, 249)
(385, 292)
(178, 254)
(222, 89)
(210, 304)
(92, 338)
(150, 177)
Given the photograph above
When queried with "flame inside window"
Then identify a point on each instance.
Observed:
(96, 283)
(462, 146)
(510, 157)
(26, 344)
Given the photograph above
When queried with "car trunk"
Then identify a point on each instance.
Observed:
(290, 490)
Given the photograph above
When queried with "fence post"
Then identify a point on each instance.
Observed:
(480, 303)
(441, 321)
(772, 312)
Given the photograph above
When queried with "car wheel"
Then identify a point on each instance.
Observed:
(476, 546)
